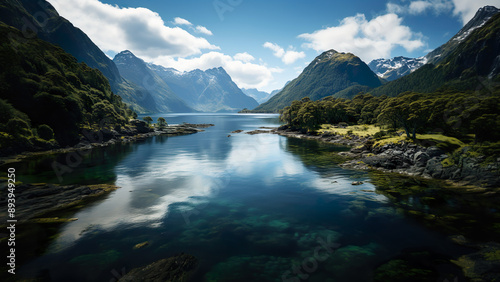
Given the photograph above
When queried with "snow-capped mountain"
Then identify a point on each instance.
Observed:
(480, 18)
(391, 69)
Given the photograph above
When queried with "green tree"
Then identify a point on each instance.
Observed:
(147, 119)
(161, 122)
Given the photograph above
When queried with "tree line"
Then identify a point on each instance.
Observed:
(450, 112)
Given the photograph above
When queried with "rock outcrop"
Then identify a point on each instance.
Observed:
(411, 159)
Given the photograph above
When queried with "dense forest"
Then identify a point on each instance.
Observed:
(465, 115)
(47, 98)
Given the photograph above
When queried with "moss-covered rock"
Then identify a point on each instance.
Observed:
(176, 268)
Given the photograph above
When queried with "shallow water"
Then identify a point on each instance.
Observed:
(249, 207)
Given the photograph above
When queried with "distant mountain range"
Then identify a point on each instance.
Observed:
(392, 69)
(464, 62)
(138, 72)
(212, 90)
(139, 86)
(330, 74)
(259, 96)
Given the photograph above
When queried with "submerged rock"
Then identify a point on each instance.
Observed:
(483, 265)
(252, 268)
(176, 268)
(141, 245)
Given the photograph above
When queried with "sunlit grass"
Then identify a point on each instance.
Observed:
(359, 130)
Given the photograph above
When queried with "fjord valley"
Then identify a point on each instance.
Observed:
(149, 143)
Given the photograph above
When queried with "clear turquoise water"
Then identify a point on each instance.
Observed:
(249, 207)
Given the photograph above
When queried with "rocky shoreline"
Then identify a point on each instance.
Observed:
(408, 159)
(138, 131)
(472, 175)
(35, 201)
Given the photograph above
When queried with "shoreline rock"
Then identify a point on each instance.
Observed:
(408, 159)
(37, 200)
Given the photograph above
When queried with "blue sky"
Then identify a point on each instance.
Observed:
(263, 44)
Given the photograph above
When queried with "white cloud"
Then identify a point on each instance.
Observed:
(288, 57)
(420, 7)
(291, 56)
(244, 73)
(204, 30)
(367, 39)
(139, 30)
(244, 57)
(278, 51)
(466, 9)
(393, 8)
(181, 21)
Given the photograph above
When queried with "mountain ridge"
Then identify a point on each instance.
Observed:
(51, 27)
(212, 90)
(136, 70)
(330, 73)
(397, 67)
(474, 62)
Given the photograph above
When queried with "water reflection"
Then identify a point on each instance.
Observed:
(184, 170)
(231, 201)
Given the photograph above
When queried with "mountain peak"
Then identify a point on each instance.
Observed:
(332, 56)
(125, 52)
(488, 9)
(330, 74)
(220, 71)
(127, 57)
(483, 15)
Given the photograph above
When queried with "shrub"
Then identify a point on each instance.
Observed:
(45, 132)
(17, 126)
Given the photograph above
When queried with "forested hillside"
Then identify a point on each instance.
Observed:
(47, 97)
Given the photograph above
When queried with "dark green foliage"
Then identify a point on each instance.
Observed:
(45, 132)
(161, 122)
(147, 119)
(311, 114)
(18, 127)
(46, 88)
(452, 113)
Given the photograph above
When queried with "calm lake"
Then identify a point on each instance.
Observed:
(249, 207)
